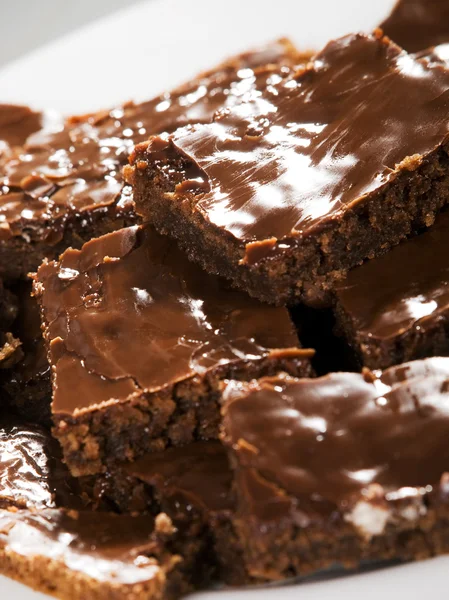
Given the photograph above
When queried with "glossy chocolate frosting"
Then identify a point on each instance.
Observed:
(404, 289)
(32, 474)
(418, 24)
(194, 475)
(105, 547)
(313, 446)
(76, 167)
(129, 313)
(285, 163)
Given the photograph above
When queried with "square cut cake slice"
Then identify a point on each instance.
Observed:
(341, 469)
(418, 24)
(65, 186)
(395, 308)
(82, 554)
(140, 341)
(287, 191)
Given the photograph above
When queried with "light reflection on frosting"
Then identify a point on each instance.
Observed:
(291, 161)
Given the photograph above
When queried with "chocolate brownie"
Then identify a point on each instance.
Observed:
(66, 186)
(33, 474)
(340, 469)
(78, 555)
(27, 383)
(140, 340)
(395, 308)
(50, 540)
(193, 485)
(418, 24)
(287, 191)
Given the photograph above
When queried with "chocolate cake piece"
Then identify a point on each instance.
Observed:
(418, 24)
(286, 192)
(140, 341)
(396, 308)
(52, 541)
(27, 383)
(340, 469)
(77, 555)
(66, 186)
(193, 486)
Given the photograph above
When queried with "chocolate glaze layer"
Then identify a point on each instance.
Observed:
(75, 168)
(104, 547)
(33, 475)
(418, 24)
(294, 159)
(315, 446)
(129, 313)
(404, 289)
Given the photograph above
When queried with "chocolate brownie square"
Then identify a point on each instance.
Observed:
(140, 341)
(340, 469)
(395, 308)
(65, 187)
(53, 542)
(286, 192)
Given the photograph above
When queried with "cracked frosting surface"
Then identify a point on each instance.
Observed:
(404, 289)
(129, 313)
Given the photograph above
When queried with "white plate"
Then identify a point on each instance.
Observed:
(152, 46)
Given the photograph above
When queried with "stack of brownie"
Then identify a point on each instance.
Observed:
(225, 322)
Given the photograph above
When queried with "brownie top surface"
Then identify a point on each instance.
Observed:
(319, 444)
(129, 313)
(197, 474)
(33, 474)
(75, 167)
(418, 24)
(285, 162)
(388, 296)
(103, 546)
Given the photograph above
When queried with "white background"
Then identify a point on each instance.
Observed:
(27, 24)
